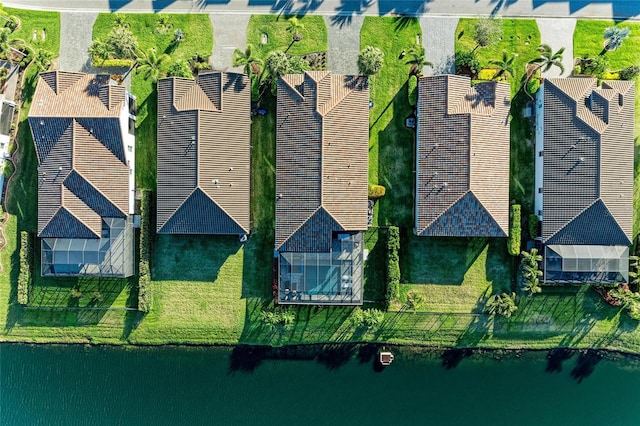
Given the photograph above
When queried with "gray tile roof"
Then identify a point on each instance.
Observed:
(204, 154)
(322, 128)
(82, 170)
(588, 162)
(462, 158)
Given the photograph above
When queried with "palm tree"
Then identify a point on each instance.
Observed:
(614, 36)
(418, 61)
(152, 65)
(277, 64)
(246, 59)
(370, 60)
(42, 60)
(502, 304)
(178, 36)
(532, 286)
(295, 26)
(505, 66)
(531, 258)
(100, 50)
(486, 31)
(121, 20)
(548, 59)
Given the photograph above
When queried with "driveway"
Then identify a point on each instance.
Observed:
(558, 33)
(344, 44)
(76, 29)
(438, 39)
(229, 34)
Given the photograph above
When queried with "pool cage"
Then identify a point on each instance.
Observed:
(333, 278)
(586, 264)
(112, 255)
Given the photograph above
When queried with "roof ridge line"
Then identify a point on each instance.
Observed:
(574, 218)
(179, 207)
(444, 211)
(220, 207)
(76, 217)
(94, 187)
(506, 231)
(300, 226)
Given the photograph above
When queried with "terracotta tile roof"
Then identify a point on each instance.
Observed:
(82, 171)
(204, 154)
(322, 127)
(462, 158)
(588, 162)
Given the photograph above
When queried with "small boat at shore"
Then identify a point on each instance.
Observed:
(385, 358)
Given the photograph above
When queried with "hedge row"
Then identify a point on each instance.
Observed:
(146, 236)
(112, 63)
(393, 265)
(26, 259)
(515, 230)
(533, 225)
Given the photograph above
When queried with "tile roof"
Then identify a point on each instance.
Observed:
(204, 154)
(588, 162)
(462, 158)
(322, 128)
(82, 170)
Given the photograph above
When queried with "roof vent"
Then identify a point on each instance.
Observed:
(42, 122)
(581, 159)
(215, 181)
(573, 146)
(91, 130)
(230, 169)
(230, 183)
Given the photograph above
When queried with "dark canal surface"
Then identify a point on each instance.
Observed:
(76, 385)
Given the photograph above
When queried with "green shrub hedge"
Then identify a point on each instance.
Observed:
(515, 230)
(393, 265)
(146, 236)
(413, 90)
(533, 225)
(376, 191)
(112, 63)
(26, 259)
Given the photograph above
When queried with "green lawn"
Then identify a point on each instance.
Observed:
(391, 144)
(314, 35)
(199, 38)
(38, 21)
(588, 40)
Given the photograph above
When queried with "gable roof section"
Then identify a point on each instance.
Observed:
(204, 153)
(462, 158)
(321, 159)
(588, 162)
(82, 170)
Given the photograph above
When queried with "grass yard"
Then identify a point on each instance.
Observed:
(391, 144)
(38, 21)
(199, 38)
(588, 40)
(314, 35)
(520, 37)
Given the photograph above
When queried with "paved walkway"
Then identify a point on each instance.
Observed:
(229, 34)
(439, 39)
(76, 29)
(558, 33)
(344, 44)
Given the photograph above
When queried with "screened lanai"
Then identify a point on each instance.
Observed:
(586, 264)
(109, 256)
(333, 278)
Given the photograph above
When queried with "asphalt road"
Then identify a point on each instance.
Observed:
(597, 9)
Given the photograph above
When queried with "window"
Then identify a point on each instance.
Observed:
(539, 212)
(539, 190)
(129, 148)
(541, 153)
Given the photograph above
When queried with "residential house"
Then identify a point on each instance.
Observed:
(584, 178)
(322, 127)
(462, 158)
(82, 127)
(204, 154)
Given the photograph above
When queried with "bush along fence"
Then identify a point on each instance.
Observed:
(515, 230)
(146, 235)
(393, 265)
(26, 260)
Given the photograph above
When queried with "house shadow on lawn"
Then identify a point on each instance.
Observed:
(192, 257)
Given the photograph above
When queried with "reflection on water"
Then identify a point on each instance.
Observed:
(316, 385)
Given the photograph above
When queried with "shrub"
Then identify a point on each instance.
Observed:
(146, 235)
(366, 317)
(179, 68)
(112, 63)
(75, 293)
(370, 60)
(413, 90)
(515, 230)
(502, 304)
(278, 317)
(629, 73)
(376, 191)
(533, 86)
(393, 265)
(487, 73)
(595, 66)
(533, 225)
(608, 75)
(24, 275)
(467, 59)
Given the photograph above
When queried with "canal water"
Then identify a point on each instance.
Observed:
(76, 385)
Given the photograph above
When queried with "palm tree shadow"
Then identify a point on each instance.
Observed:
(346, 11)
(402, 22)
(586, 364)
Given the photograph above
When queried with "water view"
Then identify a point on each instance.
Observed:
(76, 385)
